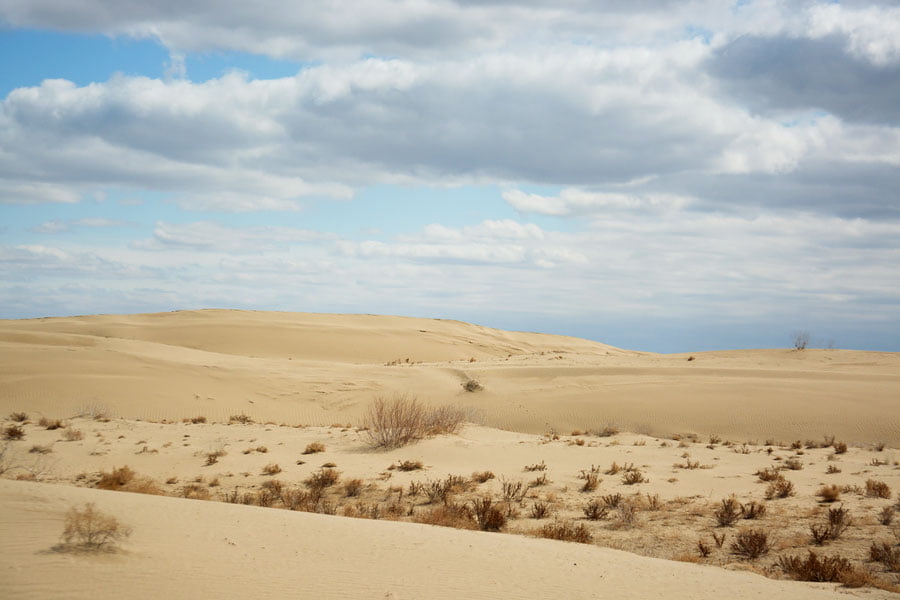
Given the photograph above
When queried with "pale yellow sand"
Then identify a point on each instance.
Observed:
(320, 369)
(194, 549)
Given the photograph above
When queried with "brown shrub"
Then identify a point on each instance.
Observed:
(886, 516)
(703, 549)
(780, 488)
(753, 510)
(541, 466)
(241, 419)
(877, 489)
(612, 500)
(512, 491)
(13, 432)
(840, 448)
(591, 481)
(488, 515)
(72, 435)
(793, 464)
(729, 512)
(768, 474)
(472, 385)
(271, 469)
(814, 568)
(595, 511)
(195, 491)
(196, 420)
(395, 423)
(566, 531)
(38, 449)
(409, 465)
(832, 469)
(540, 510)
(482, 476)
(321, 479)
(116, 479)
(50, 424)
(353, 487)
(886, 554)
(633, 476)
(458, 516)
(829, 493)
(18, 417)
(751, 543)
(89, 529)
(314, 447)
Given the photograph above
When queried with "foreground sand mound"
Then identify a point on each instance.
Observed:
(322, 369)
(194, 549)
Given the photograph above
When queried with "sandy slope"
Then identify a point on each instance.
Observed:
(320, 369)
(194, 549)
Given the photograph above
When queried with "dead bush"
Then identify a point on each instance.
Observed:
(482, 476)
(877, 489)
(195, 491)
(612, 500)
(18, 417)
(512, 491)
(768, 474)
(633, 476)
(13, 433)
(72, 435)
(314, 448)
(116, 479)
(595, 511)
(814, 568)
(322, 479)
(591, 481)
(410, 465)
(540, 510)
(39, 449)
(196, 420)
(566, 531)
(780, 488)
(353, 487)
(241, 419)
(753, 510)
(703, 549)
(458, 516)
(471, 385)
(829, 493)
(886, 516)
(751, 543)
(89, 529)
(729, 512)
(488, 515)
(886, 554)
(271, 469)
(50, 424)
(626, 514)
(840, 448)
(793, 464)
(395, 423)
(541, 466)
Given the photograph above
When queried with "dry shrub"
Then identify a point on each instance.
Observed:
(73, 435)
(213, 457)
(751, 543)
(512, 491)
(89, 529)
(612, 500)
(13, 432)
(886, 554)
(408, 465)
(38, 449)
(395, 423)
(18, 417)
(832, 469)
(271, 469)
(840, 448)
(458, 516)
(566, 531)
(541, 466)
(780, 488)
(482, 476)
(829, 493)
(814, 568)
(353, 487)
(753, 510)
(539, 481)
(472, 385)
(197, 420)
(886, 516)
(626, 514)
(877, 489)
(540, 510)
(241, 419)
(50, 424)
(314, 447)
(633, 476)
(719, 538)
(488, 515)
(729, 512)
(591, 481)
(195, 491)
(768, 474)
(322, 479)
(595, 511)
(608, 431)
(614, 469)
(793, 464)
(117, 479)
(838, 522)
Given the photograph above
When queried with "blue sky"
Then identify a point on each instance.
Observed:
(659, 176)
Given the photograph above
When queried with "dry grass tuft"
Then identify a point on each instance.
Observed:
(566, 531)
(829, 493)
(458, 516)
(729, 512)
(241, 419)
(322, 479)
(488, 515)
(271, 469)
(73, 435)
(780, 488)
(814, 568)
(89, 529)
(877, 489)
(840, 448)
(595, 511)
(117, 479)
(314, 448)
(633, 476)
(471, 385)
(13, 433)
(751, 543)
(50, 424)
(353, 487)
(18, 417)
(482, 476)
(408, 465)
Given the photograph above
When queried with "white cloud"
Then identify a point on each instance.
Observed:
(214, 237)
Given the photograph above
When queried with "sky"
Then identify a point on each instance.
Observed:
(659, 175)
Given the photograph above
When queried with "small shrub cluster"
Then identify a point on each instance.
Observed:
(595, 510)
(13, 433)
(488, 515)
(314, 448)
(815, 568)
(838, 521)
(566, 531)
(751, 543)
(780, 488)
(89, 529)
(403, 420)
(729, 512)
(877, 489)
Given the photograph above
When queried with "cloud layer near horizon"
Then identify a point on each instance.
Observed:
(657, 158)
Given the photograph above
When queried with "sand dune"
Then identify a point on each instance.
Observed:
(319, 369)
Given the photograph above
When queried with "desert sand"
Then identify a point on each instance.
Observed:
(551, 411)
